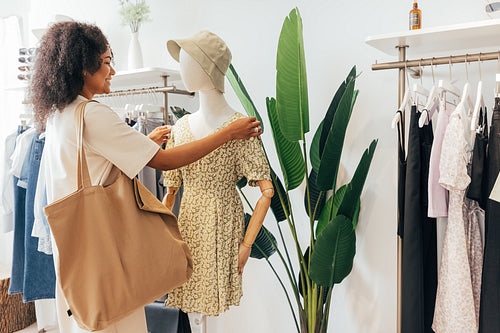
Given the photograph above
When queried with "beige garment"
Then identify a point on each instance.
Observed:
(211, 218)
(455, 309)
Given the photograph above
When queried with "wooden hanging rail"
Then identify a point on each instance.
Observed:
(437, 61)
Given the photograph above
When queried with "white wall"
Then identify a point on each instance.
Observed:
(334, 34)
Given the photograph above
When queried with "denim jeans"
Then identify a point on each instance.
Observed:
(17, 272)
(38, 272)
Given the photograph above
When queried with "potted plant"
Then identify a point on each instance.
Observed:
(133, 14)
(329, 256)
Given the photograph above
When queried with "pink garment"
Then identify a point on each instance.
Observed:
(437, 194)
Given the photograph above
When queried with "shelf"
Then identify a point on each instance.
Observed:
(470, 36)
(149, 76)
(143, 77)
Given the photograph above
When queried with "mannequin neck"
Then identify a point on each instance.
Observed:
(213, 103)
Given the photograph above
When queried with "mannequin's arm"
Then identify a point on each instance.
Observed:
(169, 198)
(266, 187)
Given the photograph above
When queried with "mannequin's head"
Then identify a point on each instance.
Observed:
(193, 76)
(208, 53)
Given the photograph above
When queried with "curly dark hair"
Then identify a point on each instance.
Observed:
(66, 50)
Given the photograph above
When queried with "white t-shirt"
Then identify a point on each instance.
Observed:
(108, 141)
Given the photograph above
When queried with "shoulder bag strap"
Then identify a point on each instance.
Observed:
(83, 170)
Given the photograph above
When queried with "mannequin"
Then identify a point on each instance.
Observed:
(213, 113)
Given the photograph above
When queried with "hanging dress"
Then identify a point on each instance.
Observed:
(490, 293)
(455, 310)
(419, 266)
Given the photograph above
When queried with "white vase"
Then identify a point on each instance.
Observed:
(134, 52)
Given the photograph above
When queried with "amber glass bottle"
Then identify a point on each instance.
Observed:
(415, 17)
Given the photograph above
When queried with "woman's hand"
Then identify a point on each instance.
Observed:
(160, 134)
(243, 128)
(244, 253)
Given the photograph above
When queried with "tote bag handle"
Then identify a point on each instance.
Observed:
(83, 169)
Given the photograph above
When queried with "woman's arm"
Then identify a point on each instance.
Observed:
(182, 155)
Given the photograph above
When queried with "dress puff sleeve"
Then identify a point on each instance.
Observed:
(172, 178)
(453, 162)
(253, 162)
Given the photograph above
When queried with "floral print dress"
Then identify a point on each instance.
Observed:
(459, 285)
(211, 218)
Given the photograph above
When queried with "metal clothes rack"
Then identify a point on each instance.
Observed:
(166, 89)
(403, 65)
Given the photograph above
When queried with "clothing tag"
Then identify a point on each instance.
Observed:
(495, 193)
(69, 313)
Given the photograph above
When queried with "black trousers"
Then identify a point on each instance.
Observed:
(489, 318)
(419, 266)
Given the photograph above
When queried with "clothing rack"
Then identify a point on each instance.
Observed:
(166, 89)
(468, 36)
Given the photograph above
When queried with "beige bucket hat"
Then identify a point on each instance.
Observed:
(209, 50)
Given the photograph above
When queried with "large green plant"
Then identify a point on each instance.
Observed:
(329, 256)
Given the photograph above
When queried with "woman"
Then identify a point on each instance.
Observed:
(73, 63)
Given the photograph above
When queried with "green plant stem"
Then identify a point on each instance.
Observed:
(287, 255)
(306, 282)
(278, 224)
(324, 324)
(291, 224)
(292, 281)
(282, 286)
(245, 197)
(314, 306)
(317, 203)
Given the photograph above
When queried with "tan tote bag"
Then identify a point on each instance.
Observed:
(119, 247)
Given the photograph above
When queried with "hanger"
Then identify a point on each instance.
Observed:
(404, 103)
(431, 104)
(447, 86)
(479, 99)
(466, 99)
(418, 89)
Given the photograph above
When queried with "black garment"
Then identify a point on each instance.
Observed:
(489, 318)
(401, 178)
(419, 262)
(479, 181)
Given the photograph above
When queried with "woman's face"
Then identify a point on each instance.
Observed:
(100, 81)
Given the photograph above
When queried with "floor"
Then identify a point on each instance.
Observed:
(33, 329)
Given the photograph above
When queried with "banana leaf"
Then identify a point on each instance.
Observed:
(330, 160)
(330, 212)
(317, 197)
(314, 155)
(243, 95)
(291, 80)
(261, 241)
(355, 187)
(289, 153)
(334, 251)
(328, 120)
(276, 207)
